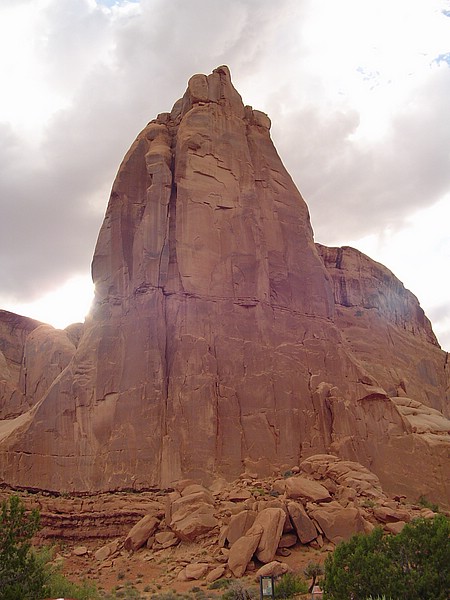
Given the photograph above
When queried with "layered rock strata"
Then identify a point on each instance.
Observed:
(221, 338)
(271, 528)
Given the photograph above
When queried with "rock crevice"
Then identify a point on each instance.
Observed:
(221, 338)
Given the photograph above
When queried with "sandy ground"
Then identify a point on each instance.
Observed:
(151, 574)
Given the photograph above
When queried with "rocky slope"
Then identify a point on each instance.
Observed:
(247, 527)
(222, 340)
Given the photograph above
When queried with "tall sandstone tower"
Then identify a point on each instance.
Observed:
(222, 339)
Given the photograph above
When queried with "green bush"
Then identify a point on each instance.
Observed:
(423, 501)
(289, 585)
(412, 565)
(60, 587)
(313, 571)
(21, 574)
(25, 573)
(220, 584)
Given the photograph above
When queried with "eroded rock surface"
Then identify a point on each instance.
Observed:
(221, 338)
(108, 530)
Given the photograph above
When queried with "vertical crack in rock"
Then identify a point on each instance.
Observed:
(221, 337)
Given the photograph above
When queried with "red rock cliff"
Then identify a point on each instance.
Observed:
(218, 341)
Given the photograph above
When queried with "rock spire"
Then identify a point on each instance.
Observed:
(222, 339)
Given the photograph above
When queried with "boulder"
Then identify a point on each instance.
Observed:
(274, 568)
(239, 495)
(304, 527)
(107, 550)
(189, 525)
(288, 540)
(196, 570)
(301, 488)
(139, 534)
(243, 549)
(271, 520)
(166, 539)
(239, 525)
(385, 514)
(336, 522)
(215, 574)
(395, 528)
(186, 503)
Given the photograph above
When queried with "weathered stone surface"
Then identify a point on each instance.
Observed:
(372, 306)
(140, 533)
(274, 568)
(221, 337)
(107, 550)
(271, 520)
(239, 525)
(345, 473)
(188, 525)
(395, 528)
(304, 527)
(336, 522)
(243, 549)
(47, 353)
(14, 331)
(287, 540)
(390, 515)
(166, 539)
(300, 487)
(215, 574)
(196, 570)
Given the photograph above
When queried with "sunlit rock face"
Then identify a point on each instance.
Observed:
(221, 338)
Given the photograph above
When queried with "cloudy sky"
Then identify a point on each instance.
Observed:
(358, 92)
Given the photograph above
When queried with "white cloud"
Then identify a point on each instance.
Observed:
(357, 100)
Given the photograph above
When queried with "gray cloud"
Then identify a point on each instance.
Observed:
(120, 69)
(120, 73)
(352, 189)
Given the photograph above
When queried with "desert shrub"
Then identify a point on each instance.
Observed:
(220, 584)
(412, 565)
(289, 585)
(237, 591)
(312, 571)
(58, 586)
(423, 501)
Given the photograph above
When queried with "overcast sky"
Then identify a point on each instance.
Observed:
(358, 93)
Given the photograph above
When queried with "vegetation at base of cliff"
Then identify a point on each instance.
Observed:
(313, 571)
(423, 501)
(412, 565)
(24, 572)
(290, 585)
(22, 575)
(238, 591)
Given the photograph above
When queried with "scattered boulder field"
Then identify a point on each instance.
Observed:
(251, 526)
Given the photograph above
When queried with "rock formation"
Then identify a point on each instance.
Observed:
(239, 537)
(222, 339)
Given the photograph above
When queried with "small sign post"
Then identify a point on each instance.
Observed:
(266, 587)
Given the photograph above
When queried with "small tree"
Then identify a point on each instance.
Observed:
(21, 574)
(412, 565)
(358, 568)
(289, 585)
(313, 571)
